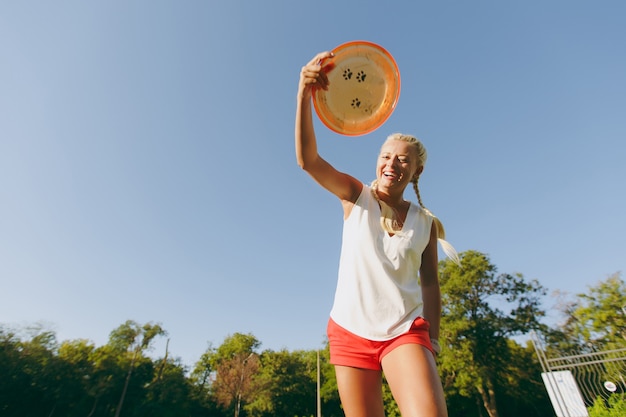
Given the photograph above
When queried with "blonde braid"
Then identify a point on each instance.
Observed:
(441, 232)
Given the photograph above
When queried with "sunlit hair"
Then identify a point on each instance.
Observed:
(388, 218)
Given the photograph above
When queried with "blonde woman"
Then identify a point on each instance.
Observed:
(387, 306)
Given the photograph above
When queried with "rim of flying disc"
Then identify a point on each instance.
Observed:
(364, 87)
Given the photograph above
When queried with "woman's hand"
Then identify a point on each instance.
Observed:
(313, 75)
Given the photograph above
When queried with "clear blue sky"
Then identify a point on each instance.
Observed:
(147, 169)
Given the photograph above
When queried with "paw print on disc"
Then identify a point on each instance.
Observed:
(347, 74)
(356, 103)
(360, 77)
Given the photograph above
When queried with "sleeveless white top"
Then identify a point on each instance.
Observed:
(378, 295)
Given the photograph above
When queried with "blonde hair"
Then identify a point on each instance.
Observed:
(388, 216)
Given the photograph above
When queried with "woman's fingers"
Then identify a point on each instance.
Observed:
(317, 59)
(313, 74)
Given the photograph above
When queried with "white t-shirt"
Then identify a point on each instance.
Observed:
(378, 294)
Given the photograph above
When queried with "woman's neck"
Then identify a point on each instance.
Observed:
(395, 201)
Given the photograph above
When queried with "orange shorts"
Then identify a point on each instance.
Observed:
(348, 349)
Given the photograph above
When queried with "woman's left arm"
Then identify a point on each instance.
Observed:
(429, 280)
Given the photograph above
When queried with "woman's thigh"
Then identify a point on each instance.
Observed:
(360, 391)
(411, 372)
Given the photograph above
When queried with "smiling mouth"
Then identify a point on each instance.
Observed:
(391, 175)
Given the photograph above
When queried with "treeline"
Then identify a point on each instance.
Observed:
(485, 372)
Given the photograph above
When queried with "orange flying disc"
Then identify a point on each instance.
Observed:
(363, 91)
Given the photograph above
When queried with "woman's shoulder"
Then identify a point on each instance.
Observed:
(425, 215)
(365, 196)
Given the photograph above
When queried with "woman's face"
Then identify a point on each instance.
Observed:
(397, 164)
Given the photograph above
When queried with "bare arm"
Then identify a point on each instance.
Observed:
(429, 278)
(344, 186)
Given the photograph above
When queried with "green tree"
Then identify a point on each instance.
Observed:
(597, 317)
(18, 389)
(331, 404)
(78, 379)
(204, 370)
(482, 310)
(31, 382)
(75, 357)
(615, 406)
(104, 385)
(288, 382)
(202, 378)
(234, 364)
(169, 392)
(132, 339)
(520, 385)
(594, 322)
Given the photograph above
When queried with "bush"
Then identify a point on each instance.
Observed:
(615, 406)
